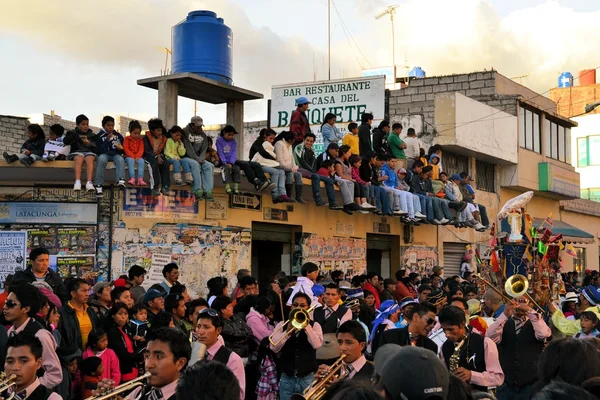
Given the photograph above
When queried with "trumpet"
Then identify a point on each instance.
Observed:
(6, 382)
(125, 387)
(319, 386)
(298, 319)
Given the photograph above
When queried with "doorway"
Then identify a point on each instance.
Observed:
(272, 249)
(382, 254)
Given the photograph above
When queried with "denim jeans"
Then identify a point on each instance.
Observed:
(203, 174)
(177, 164)
(101, 163)
(288, 385)
(35, 157)
(442, 207)
(381, 198)
(506, 392)
(291, 177)
(278, 178)
(316, 187)
(426, 206)
(131, 162)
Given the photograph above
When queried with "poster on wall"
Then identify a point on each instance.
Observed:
(13, 252)
(200, 251)
(76, 267)
(330, 254)
(178, 204)
(419, 259)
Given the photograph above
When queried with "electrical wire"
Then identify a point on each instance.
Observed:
(347, 32)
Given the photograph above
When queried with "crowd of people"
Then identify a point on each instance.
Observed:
(329, 337)
(374, 169)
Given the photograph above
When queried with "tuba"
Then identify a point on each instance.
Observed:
(125, 387)
(6, 382)
(319, 386)
(298, 320)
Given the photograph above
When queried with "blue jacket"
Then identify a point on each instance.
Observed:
(106, 146)
(331, 134)
(392, 180)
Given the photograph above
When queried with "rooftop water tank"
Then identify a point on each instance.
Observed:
(587, 77)
(203, 44)
(565, 80)
(416, 72)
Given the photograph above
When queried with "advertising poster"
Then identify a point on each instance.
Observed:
(48, 213)
(330, 254)
(76, 267)
(178, 204)
(419, 259)
(13, 252)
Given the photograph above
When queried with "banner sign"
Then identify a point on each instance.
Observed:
(348, 99)
(48, 213)
(179, 204)
(13, 252)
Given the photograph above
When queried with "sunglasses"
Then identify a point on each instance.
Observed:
(11, 304)
(430, 321)
(210, 312)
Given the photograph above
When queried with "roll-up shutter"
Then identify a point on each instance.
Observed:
(453, 256)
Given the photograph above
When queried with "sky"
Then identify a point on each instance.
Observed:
(85, 56)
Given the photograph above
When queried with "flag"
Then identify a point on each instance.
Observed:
(494, 262)
(542, 248)
(548, 220)
(561, 245)
(570, 250)
(527, 254)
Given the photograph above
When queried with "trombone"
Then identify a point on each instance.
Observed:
(298, 319)
(319, 386)
(125, 387)
(515, 286)
(6, 382)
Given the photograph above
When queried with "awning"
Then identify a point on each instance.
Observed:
(570, 233)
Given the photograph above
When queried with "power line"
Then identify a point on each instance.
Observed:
(347, 32)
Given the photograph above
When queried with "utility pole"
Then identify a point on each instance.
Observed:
(329, 39)
(391, 10)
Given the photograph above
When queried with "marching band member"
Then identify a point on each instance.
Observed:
(352, 342)
(208, 329)
(167, 354)
(422, 320)
(471, 357)
(520, 333)
(298, 351)
(330, 318)
(24, 359)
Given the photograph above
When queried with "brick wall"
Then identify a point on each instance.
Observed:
(47, 120)
(572, 101)
(13, 132)
(418, 98)
(122, 124)
(581, 206)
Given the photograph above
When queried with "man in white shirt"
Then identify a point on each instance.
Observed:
(412, 147)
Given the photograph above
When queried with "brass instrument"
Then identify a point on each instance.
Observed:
(298, 320)
(319, 386)
(125, 387)
(455, 357)
(6, 382)
(515, 286)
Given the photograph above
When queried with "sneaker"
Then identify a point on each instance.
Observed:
(141, 182)
(189, 179)
(363, 211)
(51, 157)
(270, 187)
(367, 206)
(399, 212)
(179, 183)
(199, 195)
(89, 186)
(27, 161)
(334, 206)
(165, 190)
(353, 207)
(288, 199)
(121, 183)
(132, 181)
(348, 209)
(155, 192)
(444, 221)
(45, 157)
(278, 199)
(77, 186)
(437, 222)
(321, 203)
(478, 226)
(420, 216)
(98, 190)
(208, 196)
(264, 185)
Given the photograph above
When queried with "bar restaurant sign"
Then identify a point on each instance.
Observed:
(348, 99)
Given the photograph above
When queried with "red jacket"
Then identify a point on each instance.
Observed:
(403, 291)
(134, 148)
(371, 289)
(299, 125)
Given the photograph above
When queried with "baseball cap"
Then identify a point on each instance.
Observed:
(345, 285)
(302, 100)
(455, 177)
(411, 373)
(120, 282)
(151, 294)
(98, 287)
(198, 121)
(318, 290)
(402, 171)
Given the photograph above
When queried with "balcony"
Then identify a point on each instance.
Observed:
(470, 128)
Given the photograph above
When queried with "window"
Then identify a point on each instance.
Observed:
(592, 194)
(588, 151)
(579, 262)
(485, 176)
(556, 136)
(454, 163)
(529, 129)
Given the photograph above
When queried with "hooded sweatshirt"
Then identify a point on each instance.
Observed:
(109, 147)
(195, 143)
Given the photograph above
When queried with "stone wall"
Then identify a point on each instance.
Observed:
(122, 124)
(13, 132)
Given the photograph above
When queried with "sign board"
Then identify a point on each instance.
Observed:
(348, 99)
(250, 201)
(75, 267)
(274, 214)
(217, 209)
(178, 204)
(381, 227)
(13, 252)
(48, 213)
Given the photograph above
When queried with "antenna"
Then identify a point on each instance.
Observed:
(391, 10)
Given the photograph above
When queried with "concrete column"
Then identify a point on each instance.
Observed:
(167, 102)
(235, 117)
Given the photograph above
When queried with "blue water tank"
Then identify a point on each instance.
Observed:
(565, 80)
(203, 44)
(416, 72)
